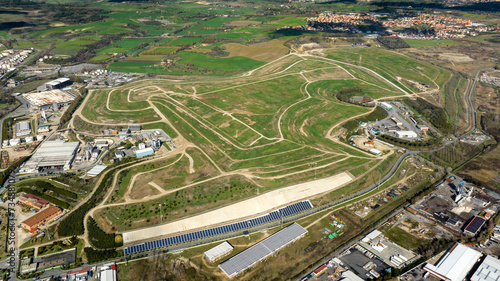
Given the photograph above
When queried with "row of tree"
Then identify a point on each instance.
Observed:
(99, 238)
(56, 201)
(68, 114)
(393, 42)
(47, 186)
(73, 224)
(435, 114)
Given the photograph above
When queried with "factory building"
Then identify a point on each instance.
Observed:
(33, 201)
(49, 100)
(454, 264)
(474, 225)
(23, 128)
(41, 218)
(260, 251)
(51, 155)
(406, 134)
(59, 83)
(488, 270)
(218, 252)
(144, 152)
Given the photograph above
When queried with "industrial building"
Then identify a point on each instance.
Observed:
(96, 170)
(59, 83)
(134, 128)
(144, 152)
(54, 99)
(372, 235)
(454, 264)
(375, 152)
(423, 127)
(488, 270)
(386, 105)
(108, 272)
(406, 134)
(350, 276)
(23, 128)
(218, 252)
(51, 155)
(475, 225)
(41, 218)
(33, 201)
(265, 248)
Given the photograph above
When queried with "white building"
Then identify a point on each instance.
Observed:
(51, 155)
(372, 235)
(108, 272)
(23, 128)
(454, 264)
(488, 270)
(350, 276)
(53, 99)
(386, 105)
(218, 252)
(375, 152)
(406, 134)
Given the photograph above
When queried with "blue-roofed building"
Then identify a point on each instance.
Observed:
(144, 152)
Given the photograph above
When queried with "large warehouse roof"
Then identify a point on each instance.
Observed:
(455, 263)
(489, 270)
(48, 98)
(58, 81)
(372, 235)
(51, 153)
(96, 170)
(261, 250)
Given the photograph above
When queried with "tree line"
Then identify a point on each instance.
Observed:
(393, 42)
(435, 114)
(56, 201)
(99, 238)
(47, 186)
(73, 224)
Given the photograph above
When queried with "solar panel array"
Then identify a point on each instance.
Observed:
(261, 250)
(221, 230)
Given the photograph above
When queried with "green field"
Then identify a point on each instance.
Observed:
(234, 123)
(225, 64)
(401, 66)
(415, 43)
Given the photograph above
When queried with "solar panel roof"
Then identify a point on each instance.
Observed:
(220, 230)
(261, 250)
(475, 225)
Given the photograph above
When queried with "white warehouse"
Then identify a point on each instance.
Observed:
(406, 134)
(23, 128)
(51, 155)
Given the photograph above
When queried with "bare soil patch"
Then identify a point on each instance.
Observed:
(265, 51)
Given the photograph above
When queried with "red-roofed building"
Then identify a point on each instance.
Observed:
(320, 270)
(33, 201)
